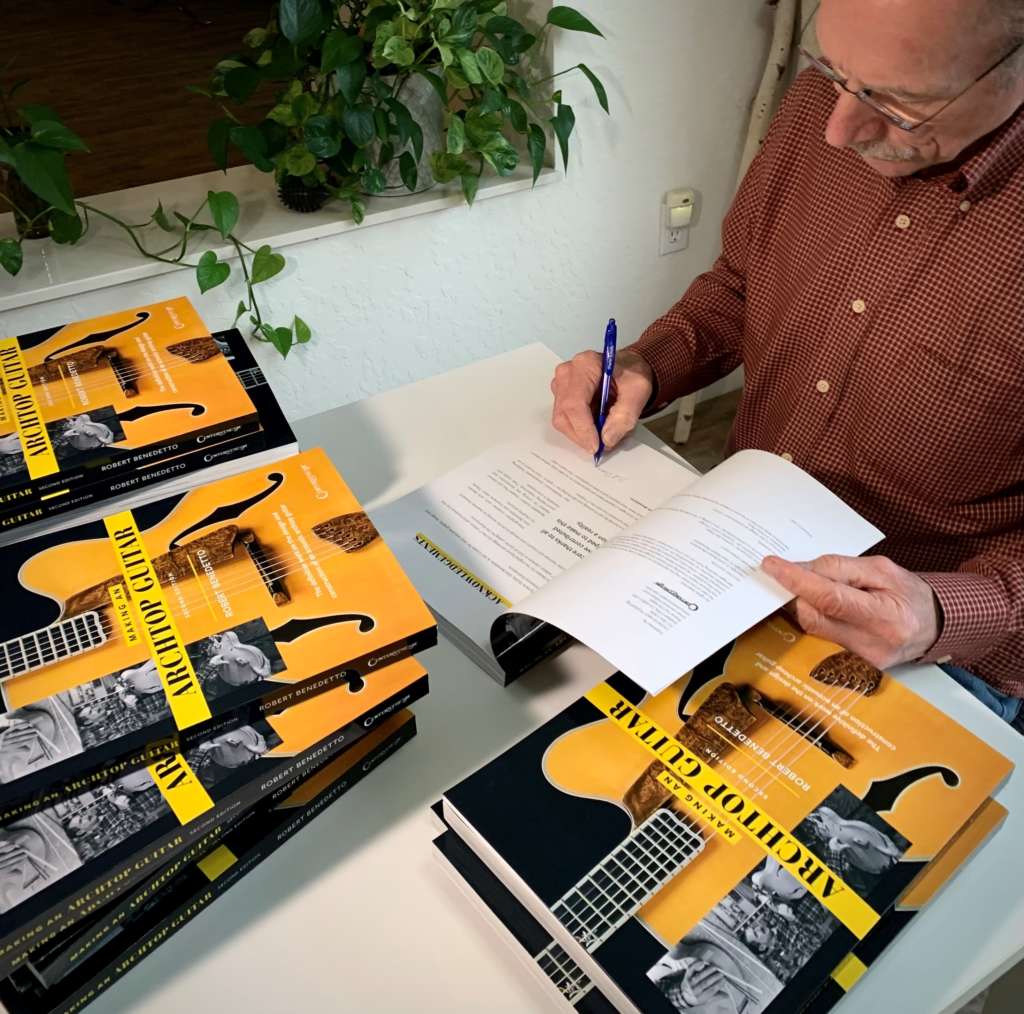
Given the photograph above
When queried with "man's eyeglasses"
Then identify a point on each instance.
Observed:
(889, 108)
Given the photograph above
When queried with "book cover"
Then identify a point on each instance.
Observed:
(138, 633)
(61, 864)
(752, 821)
(77, 398)
(549, 962)
(180, 899)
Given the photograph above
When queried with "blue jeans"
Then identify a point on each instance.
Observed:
(1009, 709)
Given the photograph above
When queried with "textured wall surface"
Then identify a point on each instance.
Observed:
(410, 299)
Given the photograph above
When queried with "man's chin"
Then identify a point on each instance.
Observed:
(888, 167)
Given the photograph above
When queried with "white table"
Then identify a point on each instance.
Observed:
(354, 914)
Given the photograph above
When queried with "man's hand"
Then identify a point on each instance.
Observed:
(701, 983)
(578, 382)
(869, 605)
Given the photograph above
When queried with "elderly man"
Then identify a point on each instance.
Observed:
(871, 283)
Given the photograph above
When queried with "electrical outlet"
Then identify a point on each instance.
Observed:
(672, 240)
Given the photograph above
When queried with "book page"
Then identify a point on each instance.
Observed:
(495, 530)
(685, 579)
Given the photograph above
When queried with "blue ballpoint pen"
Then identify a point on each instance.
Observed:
(611, 337)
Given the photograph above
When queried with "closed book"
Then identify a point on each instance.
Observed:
(180, 899)
(64, 863)
(136, 635)
(733, 837)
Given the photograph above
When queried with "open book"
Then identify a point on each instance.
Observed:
(650, 565)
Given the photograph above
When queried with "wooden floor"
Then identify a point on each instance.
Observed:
(711, 424)
(116, 71)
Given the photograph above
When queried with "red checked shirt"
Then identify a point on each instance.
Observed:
(879, 323)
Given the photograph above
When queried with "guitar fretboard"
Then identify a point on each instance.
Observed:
(251, 378)
(614, 889)
(568, 978)
(51, 644)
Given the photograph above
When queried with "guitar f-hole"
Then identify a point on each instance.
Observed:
(259, 557)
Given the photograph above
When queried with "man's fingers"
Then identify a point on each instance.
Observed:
(631, 395)
(579, 429)
(857, 571)
(831, 598)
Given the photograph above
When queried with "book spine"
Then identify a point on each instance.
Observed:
(108, 880)
(95, 931)
(45, 787)
(109, 487)
(117, 965)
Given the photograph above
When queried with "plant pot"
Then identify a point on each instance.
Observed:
(424, 104)
(298, 196)
(25, 201)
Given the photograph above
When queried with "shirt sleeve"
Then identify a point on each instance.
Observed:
(982, 609)
(700, 339)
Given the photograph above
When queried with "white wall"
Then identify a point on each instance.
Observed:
(399, 302)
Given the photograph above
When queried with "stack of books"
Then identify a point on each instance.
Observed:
(185, 681)
(749, 839)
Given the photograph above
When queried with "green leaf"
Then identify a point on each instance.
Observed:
(303, 107)
(193, 226)
(6, 153)
(302, 331)
(537, 144)
(340, 48)
(437, 83)
(409, 172)
(358, 210)
(463, 26)
(211, 272)
(500, 155)
(417, 141)
(493, 100)
(241, 82)
(238, 313)
(447, 55)
(470, 66)
(10, 256)
(32, 113)
(281, 338)
(521, 85)
(56, 135)
(403, 120)
(254, 39)
(448, 167)
(223, 210)
(373, 181)
(65, 228)
(275, 136)
(322, 136)
(350, 78)
(301, 21)
(266, 263)
(456, 135)
(253, 144)
(282, 113)
(563, 122)
(517, 114)
(359, 125)
(160, 217)
(571, 19)
(43, 171)
(298, 160)
(481, 127)
(492, 66)
(602, 95)
(470, 185)
(399, 52)
(217, 141)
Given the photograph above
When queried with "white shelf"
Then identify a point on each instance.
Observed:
(106, 256)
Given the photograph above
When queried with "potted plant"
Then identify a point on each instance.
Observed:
(349, 118)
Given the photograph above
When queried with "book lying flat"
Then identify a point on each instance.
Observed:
(750, 823)
(564, 980)
(61, 864)
(641, 560)
(135, 476)
(76, 397)
(133, 637)
(176, 901)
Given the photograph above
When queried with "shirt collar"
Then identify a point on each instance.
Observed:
(990, 161)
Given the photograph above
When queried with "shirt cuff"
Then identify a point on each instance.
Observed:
(975, 614)
(670, 363)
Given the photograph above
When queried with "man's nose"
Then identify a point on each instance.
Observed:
(853, 121)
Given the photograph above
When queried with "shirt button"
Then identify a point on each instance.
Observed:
(786, 456)
(902, 221)
(858, 306)
(823, 386)
(965, 206)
